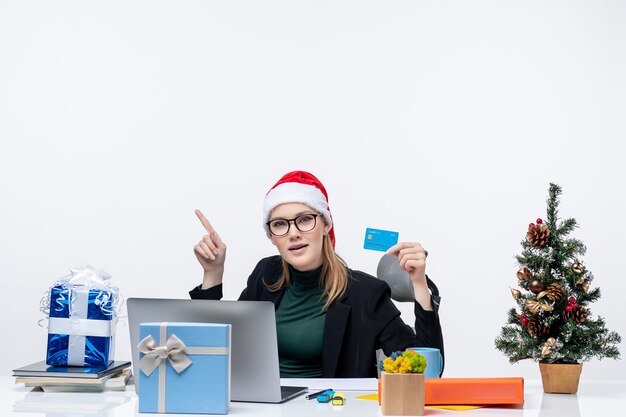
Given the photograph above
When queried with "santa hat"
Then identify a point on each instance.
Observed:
(299, 187)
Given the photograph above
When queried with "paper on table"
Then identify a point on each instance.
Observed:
(374, 397)
(337, 384)
(370, 397)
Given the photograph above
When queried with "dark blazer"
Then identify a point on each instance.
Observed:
(361, 321)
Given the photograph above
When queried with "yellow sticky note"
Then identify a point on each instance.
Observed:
(455, 407)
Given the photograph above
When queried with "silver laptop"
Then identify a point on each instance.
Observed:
(255, 374)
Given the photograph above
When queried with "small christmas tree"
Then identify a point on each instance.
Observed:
(553, 323)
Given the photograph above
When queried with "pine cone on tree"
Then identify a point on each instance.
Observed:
(538, 234)
(554, 292)
(536, 328)
(579, 314)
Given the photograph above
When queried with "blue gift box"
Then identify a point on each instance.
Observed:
(184, 368)
(81, 327)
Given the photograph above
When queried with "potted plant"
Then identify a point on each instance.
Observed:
(402, 384)
(552, 323)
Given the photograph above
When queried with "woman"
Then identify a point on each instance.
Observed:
(330, 320)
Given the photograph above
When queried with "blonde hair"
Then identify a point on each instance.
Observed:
(333, 278)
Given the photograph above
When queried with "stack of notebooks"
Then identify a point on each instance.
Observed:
(74, 378)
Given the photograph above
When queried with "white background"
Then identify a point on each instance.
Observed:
(445, 121)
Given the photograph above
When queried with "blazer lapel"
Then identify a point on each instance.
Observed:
(334, 330)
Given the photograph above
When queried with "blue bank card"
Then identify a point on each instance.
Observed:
(377, 239)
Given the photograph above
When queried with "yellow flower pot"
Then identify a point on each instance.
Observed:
(560, 378)
(402, 394)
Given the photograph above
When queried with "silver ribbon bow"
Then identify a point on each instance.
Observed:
(174, 350)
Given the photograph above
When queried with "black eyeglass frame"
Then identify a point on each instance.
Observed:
(289, 221)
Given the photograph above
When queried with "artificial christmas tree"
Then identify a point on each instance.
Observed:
(552, 323)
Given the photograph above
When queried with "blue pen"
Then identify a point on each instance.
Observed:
(315, 394)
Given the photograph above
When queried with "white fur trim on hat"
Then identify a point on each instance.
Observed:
(294, 192)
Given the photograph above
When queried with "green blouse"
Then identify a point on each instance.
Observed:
(300, 326)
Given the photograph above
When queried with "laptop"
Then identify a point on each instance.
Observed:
(255, 374)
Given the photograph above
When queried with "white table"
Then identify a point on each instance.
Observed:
(594, 399)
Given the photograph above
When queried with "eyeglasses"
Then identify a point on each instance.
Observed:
(304, 223)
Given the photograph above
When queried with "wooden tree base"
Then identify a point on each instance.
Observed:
(402, 394)
(560, 378)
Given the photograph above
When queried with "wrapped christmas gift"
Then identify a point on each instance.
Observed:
(184, 368)
(83, 310)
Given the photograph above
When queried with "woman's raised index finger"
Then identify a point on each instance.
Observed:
(205, 222)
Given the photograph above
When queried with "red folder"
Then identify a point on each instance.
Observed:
(474, 391)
